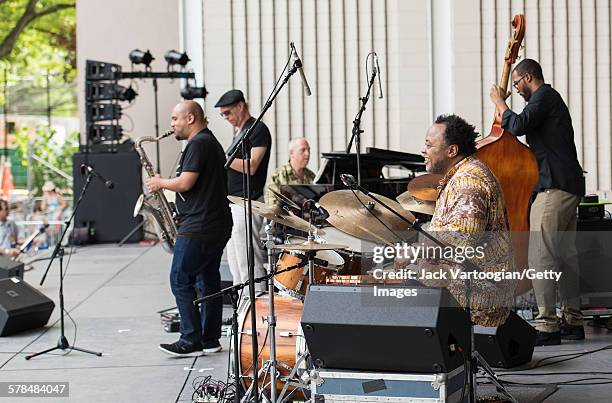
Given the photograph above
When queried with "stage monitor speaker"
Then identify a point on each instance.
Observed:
(508, 345)
(22, 307)
(10, 267)
(593, 241)
(348, 327)
(109, 212)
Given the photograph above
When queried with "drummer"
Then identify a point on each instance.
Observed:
(294, 172)
(470, 211)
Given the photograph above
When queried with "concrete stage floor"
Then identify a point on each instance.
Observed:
(113, 294)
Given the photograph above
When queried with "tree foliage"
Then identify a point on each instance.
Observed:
(46, 146)
(38, 36)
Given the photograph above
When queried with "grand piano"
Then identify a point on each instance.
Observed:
(384, 172)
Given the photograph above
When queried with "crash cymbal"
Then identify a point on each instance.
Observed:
(277, 215)
(410, 203)
(349, 215)
(425, 187)
(284, 199)
(310, 246)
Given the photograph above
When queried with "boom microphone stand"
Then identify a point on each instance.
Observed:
(243, 143)
(357, 126)
(62, 343)
(473, 357)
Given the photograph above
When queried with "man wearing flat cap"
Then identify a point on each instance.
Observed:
(235, 110)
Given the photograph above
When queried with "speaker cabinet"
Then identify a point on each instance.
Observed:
(109, 212)
(22, 307)
(10, 268)
(352, 328)
(508, 345)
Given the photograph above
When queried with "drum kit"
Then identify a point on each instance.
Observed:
(299, 262)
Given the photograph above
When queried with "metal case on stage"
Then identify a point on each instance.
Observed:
(351, 386)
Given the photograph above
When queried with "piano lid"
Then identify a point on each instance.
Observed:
(380, 156)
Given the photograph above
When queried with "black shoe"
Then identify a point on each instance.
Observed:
(548, 338)
(211, 346)
(571, 332)
(180, 350)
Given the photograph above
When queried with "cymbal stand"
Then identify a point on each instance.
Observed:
(270, 365)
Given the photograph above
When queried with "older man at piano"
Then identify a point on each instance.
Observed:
(294, 172)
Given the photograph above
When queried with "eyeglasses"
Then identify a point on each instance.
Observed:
(226, 113)
(516, 83)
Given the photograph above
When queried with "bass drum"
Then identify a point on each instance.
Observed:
(290, 343)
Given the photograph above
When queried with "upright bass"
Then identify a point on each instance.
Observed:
(513, 163)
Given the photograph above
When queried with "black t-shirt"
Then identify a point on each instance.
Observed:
(260, 137)
(204, 211)
(548, 125)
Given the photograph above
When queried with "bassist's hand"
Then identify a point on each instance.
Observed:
(497, 94)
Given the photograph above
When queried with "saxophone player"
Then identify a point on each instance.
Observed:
(204, 227)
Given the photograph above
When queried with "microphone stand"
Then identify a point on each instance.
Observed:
(233, 292)
(62, 343)
(473, 357)
(244, 144)
(357, 127)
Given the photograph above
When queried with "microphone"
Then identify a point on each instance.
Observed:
(348, 180)
(322, 211)
(298, 63)
(380, 93)
(89, 169)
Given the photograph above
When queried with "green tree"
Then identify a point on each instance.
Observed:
(46, 146)
(38, 37)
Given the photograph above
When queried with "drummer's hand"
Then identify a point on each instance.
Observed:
(401, 263)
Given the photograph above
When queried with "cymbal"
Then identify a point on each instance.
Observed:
(411, 203)
(350, 216)
(277, 215)
(310, 246)
(425, 187)
(284, 199)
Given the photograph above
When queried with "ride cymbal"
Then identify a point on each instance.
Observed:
(362, 217)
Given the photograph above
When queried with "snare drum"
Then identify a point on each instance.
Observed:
(295, 282)
(290, 343)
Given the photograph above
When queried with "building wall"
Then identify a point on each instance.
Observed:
(107, 31)
(436, 56)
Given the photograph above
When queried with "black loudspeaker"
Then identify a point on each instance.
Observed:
(352, 328)
(22, 307)
(109, 212)
(10, 267)
(508, 345)
(593, 241)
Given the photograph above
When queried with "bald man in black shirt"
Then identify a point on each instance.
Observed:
(546, 122)
(204, 227)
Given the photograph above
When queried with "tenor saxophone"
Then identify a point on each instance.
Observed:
(155, 205)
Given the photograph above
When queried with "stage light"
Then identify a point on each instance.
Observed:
(173, 57)
(99, 91)
(125, 94)
(194, 92)
(137, 56)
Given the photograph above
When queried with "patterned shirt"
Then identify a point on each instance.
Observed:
(470, 213)
(285, 175)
